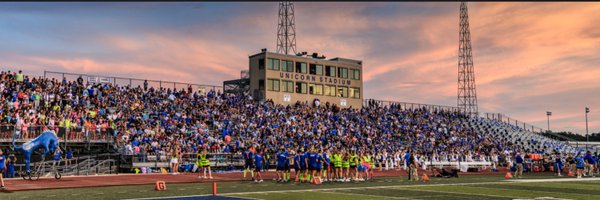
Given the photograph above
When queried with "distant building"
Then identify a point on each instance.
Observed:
(286, 79)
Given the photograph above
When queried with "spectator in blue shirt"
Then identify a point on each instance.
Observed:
(57, 157)
(580, 164)
(249, 162)
(135, 143)
(68, 157)
(590, 164)
(10, 166)
(519, 163)
(298, 162)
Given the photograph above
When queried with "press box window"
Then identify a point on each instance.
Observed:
(288, 86)
(287, 66)
(315, 89)
(272, 84)
(273, 64)
(301, 67)
(301, 87)
(319, 89)
(320, 70)
(329, 90)
(315, 69)
(342, 92)
(342, 72)
(354, 74)
(330, 71)
(355, 93)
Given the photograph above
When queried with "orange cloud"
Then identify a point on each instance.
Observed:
(528, 57)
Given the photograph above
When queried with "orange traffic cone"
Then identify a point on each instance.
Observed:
(160, 186)
(507, 176)
(570, 173)
(425, 177)
(317, 181)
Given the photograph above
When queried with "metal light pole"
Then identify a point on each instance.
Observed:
(548, 113)
(587, 136)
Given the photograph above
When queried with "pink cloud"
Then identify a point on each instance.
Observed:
(526, 55)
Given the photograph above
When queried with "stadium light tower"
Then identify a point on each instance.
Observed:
(467, 96)
(286, 29)
(587, 136)
(548, 113)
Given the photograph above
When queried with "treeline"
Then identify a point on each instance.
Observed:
(594, 137)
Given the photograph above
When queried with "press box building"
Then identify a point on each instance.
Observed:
(286, 79)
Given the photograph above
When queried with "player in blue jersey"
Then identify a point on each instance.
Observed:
(286, 172)
(319, 167)
(312, 163)
(282, 165)
(298, 162)
(258, 165)
(249, 162)
(304, 166)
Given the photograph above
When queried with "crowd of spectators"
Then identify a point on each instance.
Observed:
(149, 121)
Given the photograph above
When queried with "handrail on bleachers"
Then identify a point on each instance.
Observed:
(130, 81)
(408, 105)
(508, 120)
(70, 135)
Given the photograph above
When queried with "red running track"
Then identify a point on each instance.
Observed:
(18, 184)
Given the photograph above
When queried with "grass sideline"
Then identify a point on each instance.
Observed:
(465, 187)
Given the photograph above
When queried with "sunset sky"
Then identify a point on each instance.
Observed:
(529, 58)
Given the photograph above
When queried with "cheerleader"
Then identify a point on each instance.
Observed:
(386, 157)
(398, 160)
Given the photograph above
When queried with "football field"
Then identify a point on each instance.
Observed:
(465, 187)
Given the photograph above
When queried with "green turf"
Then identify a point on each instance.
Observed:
(472, 187)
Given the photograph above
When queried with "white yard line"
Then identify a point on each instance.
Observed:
(252, 198)
(553, 180)
(544, 198)
(463, 193)
(324, 189)
(512, 181)
(367, 195)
